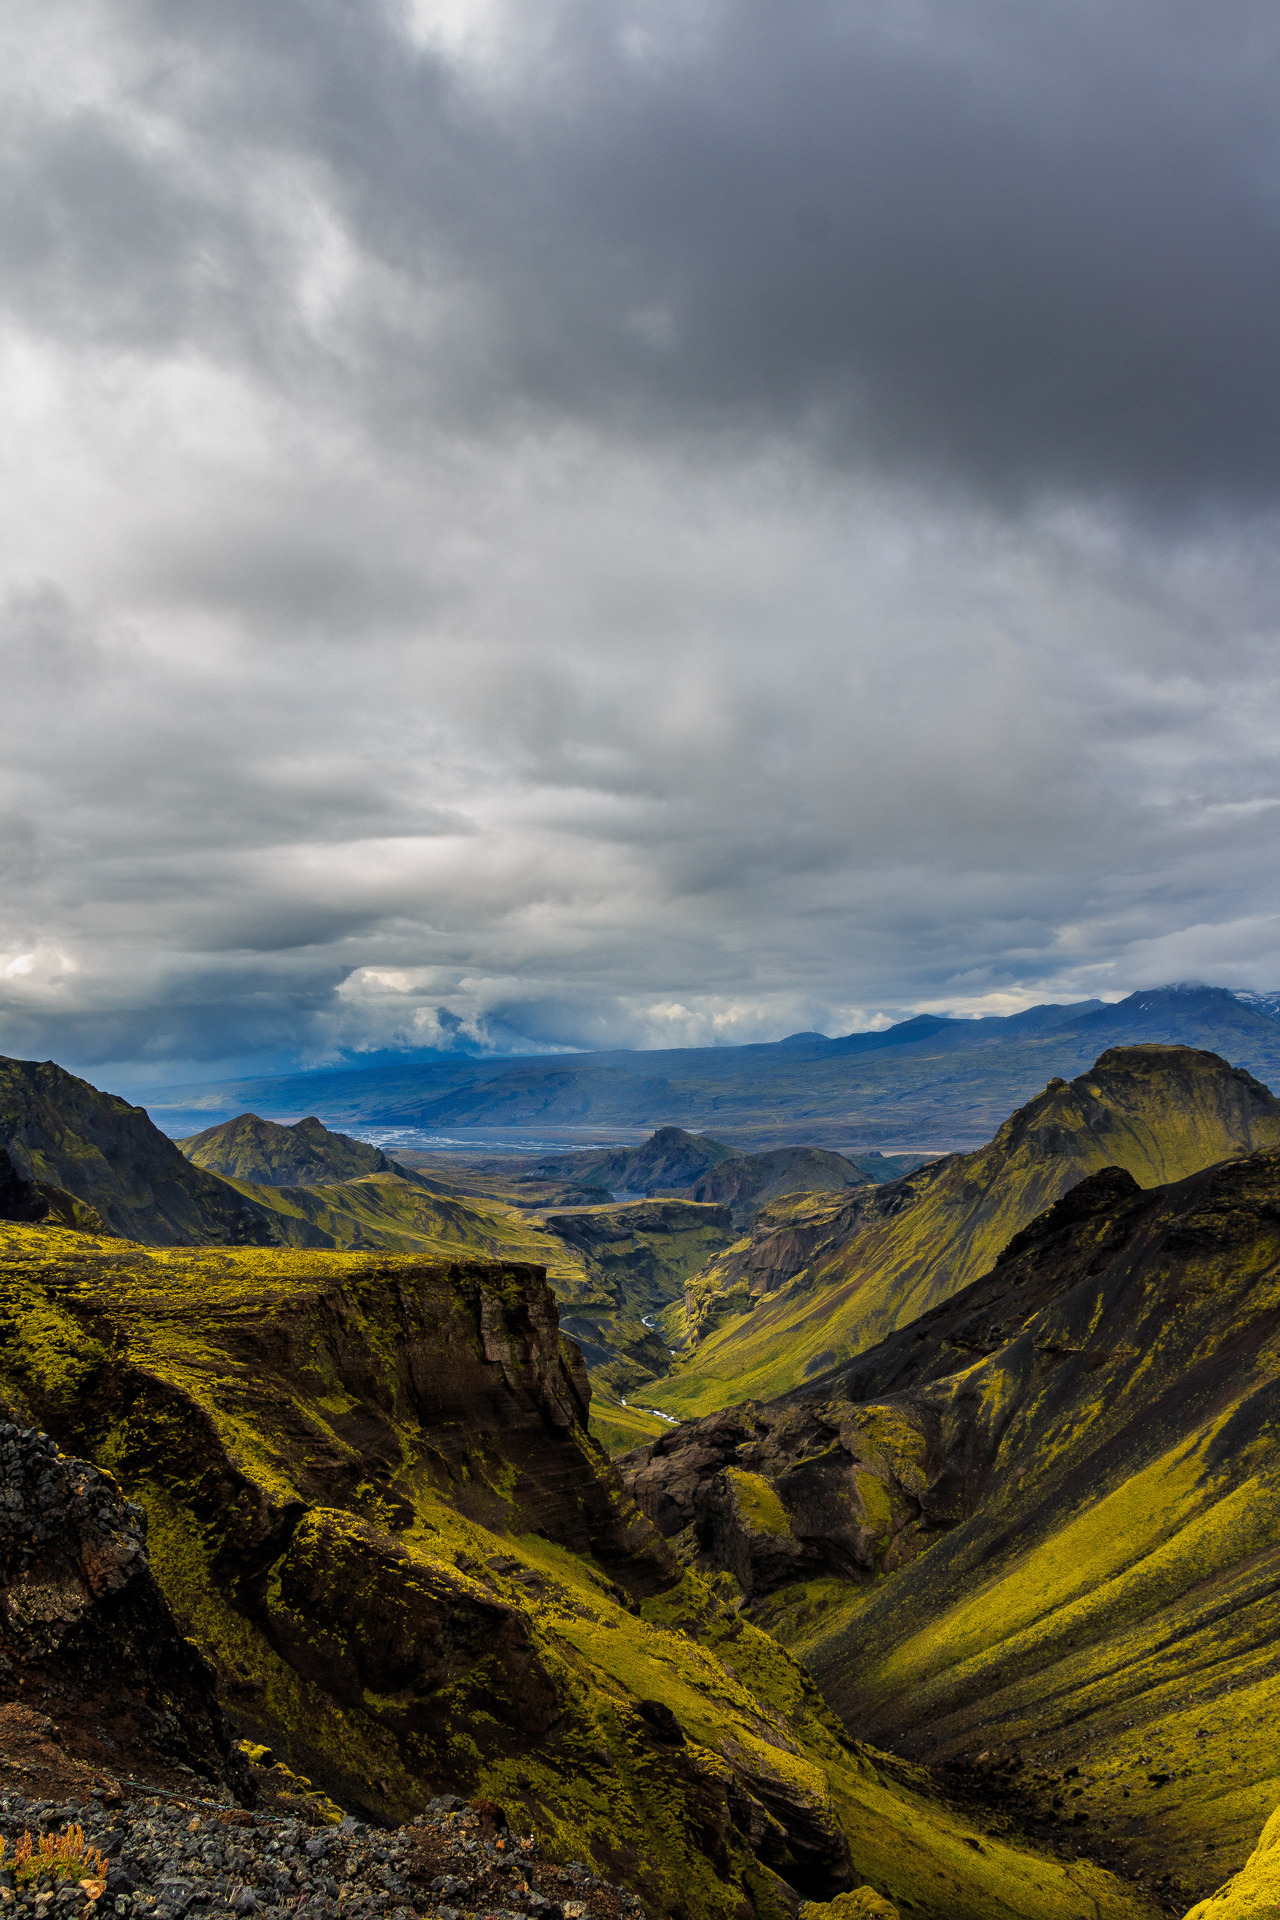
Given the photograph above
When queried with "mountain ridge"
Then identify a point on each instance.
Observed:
(822, 1278)
(373, 1502)
(1033, 1534)
(305, 1154)
(928, 1084)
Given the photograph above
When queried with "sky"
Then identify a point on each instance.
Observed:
(632, 523)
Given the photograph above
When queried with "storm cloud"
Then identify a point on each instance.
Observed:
(630, 524)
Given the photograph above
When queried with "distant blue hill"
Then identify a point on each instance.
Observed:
(928, 1083)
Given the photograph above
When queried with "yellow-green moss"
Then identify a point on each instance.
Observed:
(234, 1400)
(1160, 1112)
(759, 1507)
(1254, 1892)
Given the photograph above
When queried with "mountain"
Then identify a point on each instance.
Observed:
(1268, 1003)
(373, 1503)
(929, 1084)
(670, 1158)
(748, 1181)
(36, 1200)
(682, 1165)
(103, 1167)
(823, 1278)
(305, 1154)
(1033, 1535)
(62, 1132)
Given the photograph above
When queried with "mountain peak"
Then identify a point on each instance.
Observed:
(268, 1154)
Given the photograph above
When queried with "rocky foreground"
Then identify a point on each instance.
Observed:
(171, 1855)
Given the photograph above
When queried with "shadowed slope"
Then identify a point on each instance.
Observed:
(819, 1281)
(61, 1131)
(750, 1181)
(1070, 1474)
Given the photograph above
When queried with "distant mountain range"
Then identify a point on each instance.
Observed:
(926, 1084)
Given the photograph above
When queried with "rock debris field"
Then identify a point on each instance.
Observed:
(173, 1856)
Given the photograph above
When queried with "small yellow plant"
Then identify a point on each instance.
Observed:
(64, 1856)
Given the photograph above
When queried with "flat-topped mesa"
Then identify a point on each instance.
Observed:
(341, 1377)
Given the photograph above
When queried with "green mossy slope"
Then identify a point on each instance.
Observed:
(375, 1502)
(816, 1283)
(303, 1154)
(1036, 1534)
(1254, 1892)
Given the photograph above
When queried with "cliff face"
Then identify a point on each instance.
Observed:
(88, 1642)
(305, 1154)
(1035, 1533)
(373, 1500)
(815, 1285)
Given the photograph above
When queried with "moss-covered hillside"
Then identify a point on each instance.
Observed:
(373, 1499)
(303, 1154)
(816, 1282)
(750, 1181)
(1036, 1534)
(62, 1132)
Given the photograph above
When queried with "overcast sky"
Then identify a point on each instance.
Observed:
(640, 522)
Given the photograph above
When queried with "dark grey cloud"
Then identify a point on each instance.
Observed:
(1038, 247)
(642, 523)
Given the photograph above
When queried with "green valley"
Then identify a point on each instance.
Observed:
(1032, 1536)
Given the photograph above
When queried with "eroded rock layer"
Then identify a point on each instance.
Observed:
(91, 1657)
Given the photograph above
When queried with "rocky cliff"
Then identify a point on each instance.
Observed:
(817, 1282)
(1034, 1535)
(374, 1501)
(94, 1670)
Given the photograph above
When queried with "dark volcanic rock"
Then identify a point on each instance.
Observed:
(37, 1201)
(86, 1636)
(174, 1854)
